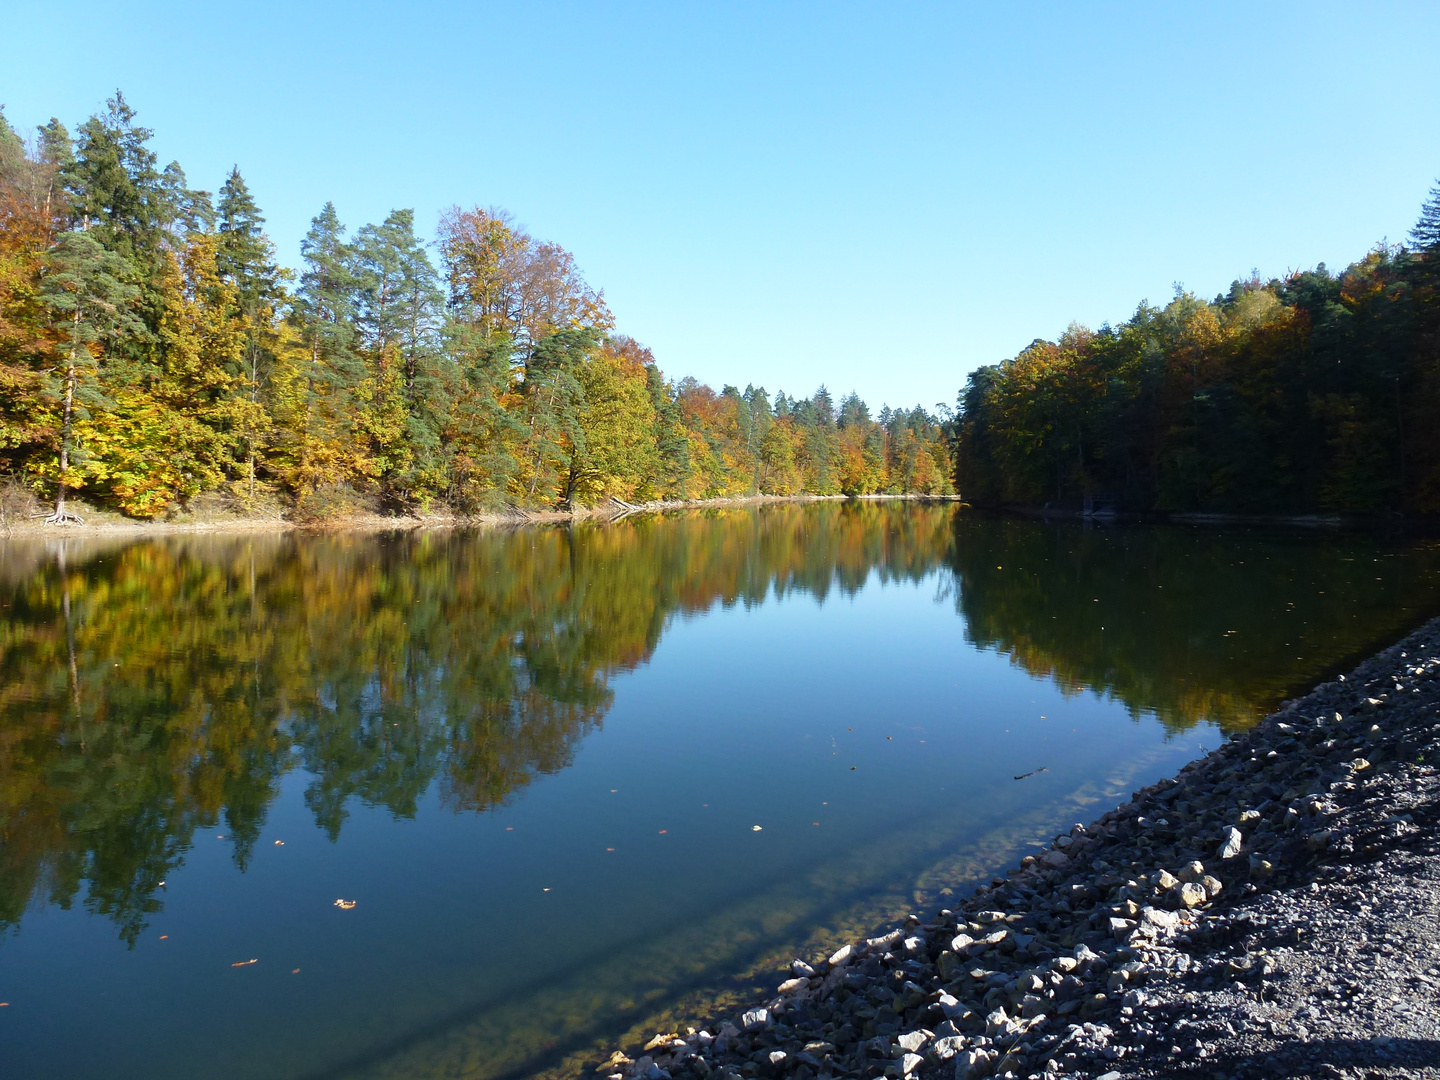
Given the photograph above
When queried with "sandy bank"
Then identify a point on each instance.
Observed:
(112, 524)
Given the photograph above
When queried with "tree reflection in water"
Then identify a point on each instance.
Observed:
(1187, 624)
(152, 688)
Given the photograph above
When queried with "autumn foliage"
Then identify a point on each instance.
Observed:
(1316, 393)
(152, 352)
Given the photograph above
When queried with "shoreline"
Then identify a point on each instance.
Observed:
(112, 524)
(1195, 517)
(1273, 909)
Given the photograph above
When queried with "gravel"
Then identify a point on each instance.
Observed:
(1273, 910)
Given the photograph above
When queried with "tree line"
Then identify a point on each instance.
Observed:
(153, 350)
(1316, 392)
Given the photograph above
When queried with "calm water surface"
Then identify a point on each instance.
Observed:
(578, 782)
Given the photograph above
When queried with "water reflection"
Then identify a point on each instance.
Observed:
(1188, 624)
(151, 689)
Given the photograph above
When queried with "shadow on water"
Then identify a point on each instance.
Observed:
(1189, 624)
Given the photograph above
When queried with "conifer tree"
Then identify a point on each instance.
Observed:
(1426, 233)
(115, 191)
(89, 293)
(246, 259)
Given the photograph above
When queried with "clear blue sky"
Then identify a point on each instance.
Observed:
(881, 196)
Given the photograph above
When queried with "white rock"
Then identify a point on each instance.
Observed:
(1165, 920)
(841, 955)
(948, 1047)
(1190, 894)
(910, 1062)
(884, 941)
(1232, 844)
(914, 944)
(950, 1005)
(961, 942)
(973, 1064)
(995, 1021)
(754, 1018)
(789, 986)
(913, 1041)
(801, 969)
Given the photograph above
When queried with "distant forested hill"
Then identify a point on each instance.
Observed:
(1318, 392)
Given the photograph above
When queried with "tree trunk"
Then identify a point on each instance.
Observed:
(254, 397)
(61, 516)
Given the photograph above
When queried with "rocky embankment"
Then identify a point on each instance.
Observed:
(1274, 910)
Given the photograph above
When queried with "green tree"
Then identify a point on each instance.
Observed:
(245, 258)
(553, 398)
(1426, 233)
(88, 292)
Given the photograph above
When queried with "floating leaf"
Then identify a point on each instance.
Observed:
(345, 905)
(245, 963)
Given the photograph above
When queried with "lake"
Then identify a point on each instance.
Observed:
(478, 803)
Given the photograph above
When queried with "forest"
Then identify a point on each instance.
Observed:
(1315, 393)
(153, 352)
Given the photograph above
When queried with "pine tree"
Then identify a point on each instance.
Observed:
(115, 190)
(246, 259)
(325, 305)
(245, 256)
(399, 304)
(1426, 233)
(88, 293)
(553, 398)
(192, 211)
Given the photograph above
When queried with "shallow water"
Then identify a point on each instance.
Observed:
(579, 782)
